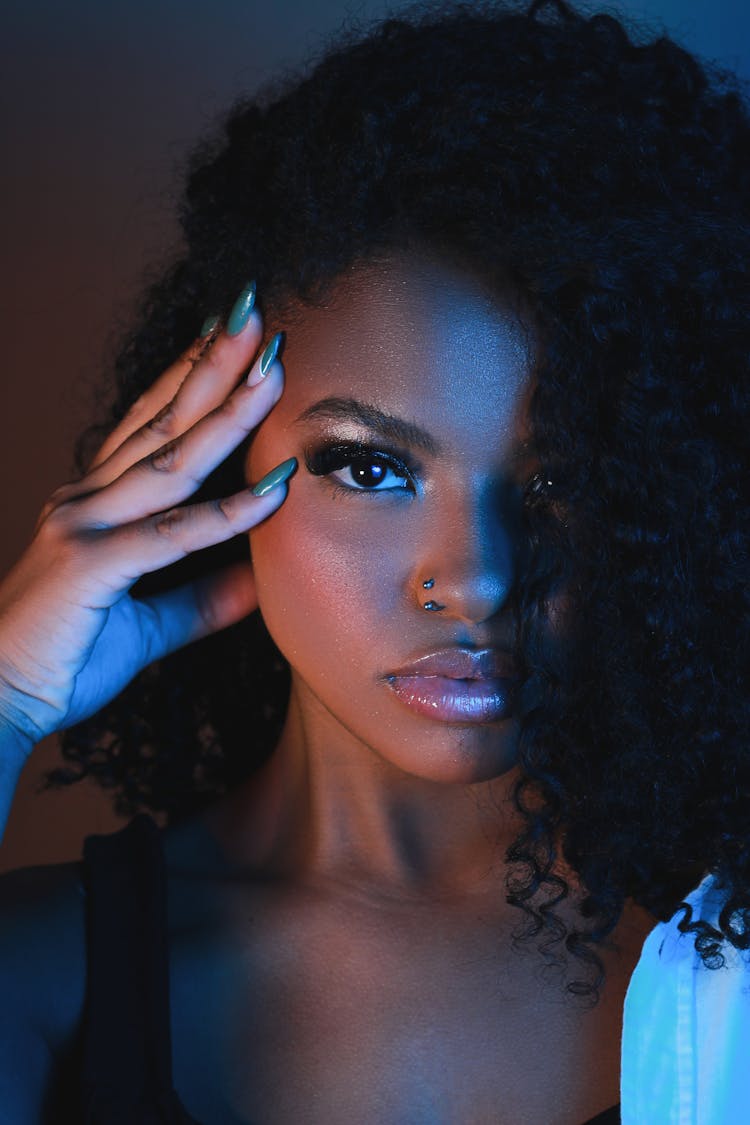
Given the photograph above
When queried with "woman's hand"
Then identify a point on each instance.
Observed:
(71, 637)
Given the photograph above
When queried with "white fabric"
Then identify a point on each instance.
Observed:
(686, 1030)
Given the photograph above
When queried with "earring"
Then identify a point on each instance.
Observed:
(431, 605)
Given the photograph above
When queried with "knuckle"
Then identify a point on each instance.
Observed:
(165, 422)
(171, 523)
(62, 537)
(57, 514)
(225, 509)
(201, 348)
(166, 459)
(53, 501)
(61, 493)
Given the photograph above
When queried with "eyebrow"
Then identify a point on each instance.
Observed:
(389, 426)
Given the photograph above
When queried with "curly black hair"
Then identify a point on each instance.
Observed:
(603, 175)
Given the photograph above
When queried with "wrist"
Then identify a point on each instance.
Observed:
(15, 748)
(17, 738)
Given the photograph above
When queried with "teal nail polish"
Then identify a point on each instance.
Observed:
(209, 324)
(241, 310)
(269, 355)
(276, 476)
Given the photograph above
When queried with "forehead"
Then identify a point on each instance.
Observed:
(418, 337)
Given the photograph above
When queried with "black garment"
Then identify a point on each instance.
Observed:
(127, 1052)
(609, 1116)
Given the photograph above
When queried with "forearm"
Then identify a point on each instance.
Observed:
(14, 752)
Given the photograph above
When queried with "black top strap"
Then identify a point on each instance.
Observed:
(609, 1116)
(127, 1049)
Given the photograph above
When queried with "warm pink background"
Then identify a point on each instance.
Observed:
(99, 104)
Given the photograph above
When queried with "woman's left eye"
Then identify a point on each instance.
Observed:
(360, 469)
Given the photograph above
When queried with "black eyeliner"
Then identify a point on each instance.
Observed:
(326, 456)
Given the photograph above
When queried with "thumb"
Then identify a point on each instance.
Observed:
(196, 609)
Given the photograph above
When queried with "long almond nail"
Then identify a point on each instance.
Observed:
(276, 476)
(258, 374)
(241, 310)
(269, 355)
(210, 324)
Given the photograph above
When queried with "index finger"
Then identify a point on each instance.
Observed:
(156, 397)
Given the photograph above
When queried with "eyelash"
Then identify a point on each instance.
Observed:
(328, 458)
(332, 456)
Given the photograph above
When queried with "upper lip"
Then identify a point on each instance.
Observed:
(463, 664)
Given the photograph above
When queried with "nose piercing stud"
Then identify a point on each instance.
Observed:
(431, 605)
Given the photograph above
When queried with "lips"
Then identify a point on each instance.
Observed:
(463, 664)
(458, 685)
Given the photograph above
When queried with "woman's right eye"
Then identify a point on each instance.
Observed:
(361, 468)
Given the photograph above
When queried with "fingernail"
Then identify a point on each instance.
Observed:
(258, 374)
(270, 353)
(209, 325)
(241, 310)
(276, 476)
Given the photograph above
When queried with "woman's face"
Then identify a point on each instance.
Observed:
(340, 567)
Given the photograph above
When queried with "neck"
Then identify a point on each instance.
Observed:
(327, 808)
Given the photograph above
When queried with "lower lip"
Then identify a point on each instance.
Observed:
(455, 701)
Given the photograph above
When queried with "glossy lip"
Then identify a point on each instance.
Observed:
(462, 664)
(458, 685)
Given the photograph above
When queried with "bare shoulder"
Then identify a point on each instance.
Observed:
(42, 982)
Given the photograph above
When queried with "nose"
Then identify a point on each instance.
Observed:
(470, 547)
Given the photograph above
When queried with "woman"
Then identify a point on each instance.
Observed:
(477, 767)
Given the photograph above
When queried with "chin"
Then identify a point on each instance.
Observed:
(459, 755)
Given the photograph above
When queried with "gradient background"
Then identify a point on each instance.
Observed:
(99, 105)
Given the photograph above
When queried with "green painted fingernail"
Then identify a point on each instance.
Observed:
(241, 310)
(276, 476)
(209, 324)
(269, 355)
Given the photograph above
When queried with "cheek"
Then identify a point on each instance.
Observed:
(327, 577)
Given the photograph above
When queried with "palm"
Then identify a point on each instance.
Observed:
(118, 652)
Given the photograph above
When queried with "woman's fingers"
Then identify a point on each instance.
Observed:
(176, 470)
(198, 387)
(72, 637)
(151, 402)
(196, 609)
(120, 555)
